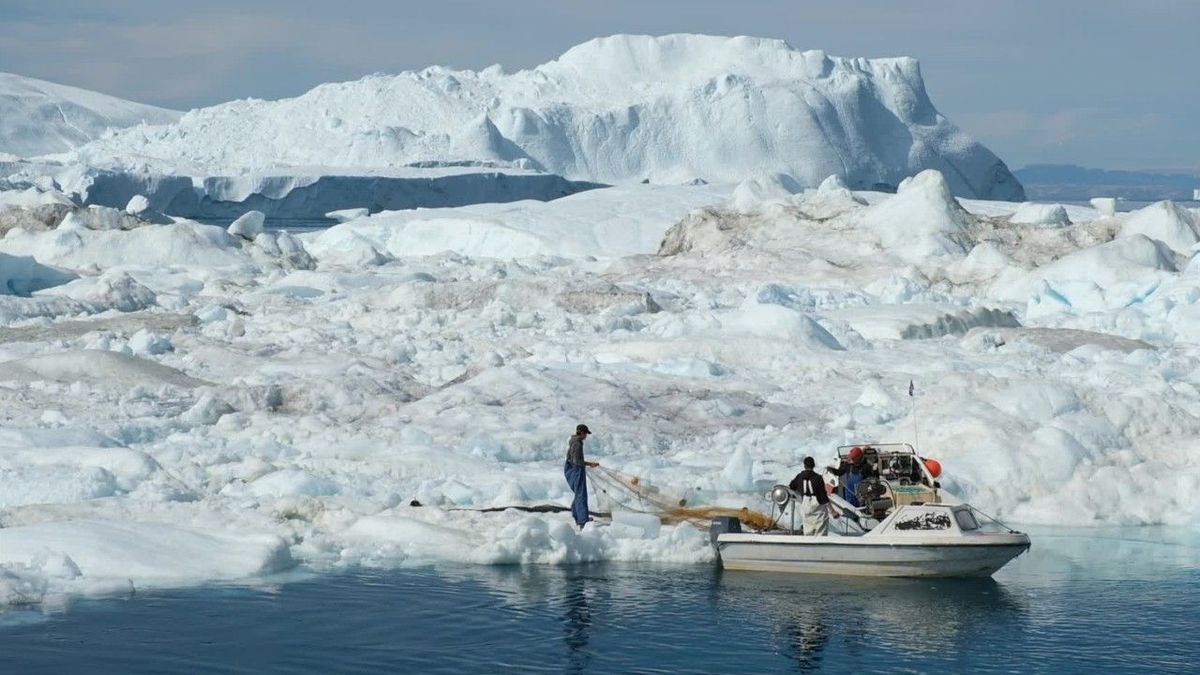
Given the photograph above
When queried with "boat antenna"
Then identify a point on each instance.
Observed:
(912, 395)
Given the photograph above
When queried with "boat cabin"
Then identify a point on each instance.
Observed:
(927, 519)
(905, 477)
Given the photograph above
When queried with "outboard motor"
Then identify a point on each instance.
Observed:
(723, 525)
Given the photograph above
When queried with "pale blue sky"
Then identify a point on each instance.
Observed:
(1106, 83)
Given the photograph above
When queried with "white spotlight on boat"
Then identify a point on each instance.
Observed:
(781, 495)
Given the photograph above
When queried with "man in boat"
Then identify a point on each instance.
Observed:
(814, 499)
(852, 473)
(576, 473)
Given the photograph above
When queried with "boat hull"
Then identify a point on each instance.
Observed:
(858, 557)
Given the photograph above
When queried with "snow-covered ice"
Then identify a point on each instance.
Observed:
(82, 556)
(922, 221)
(248, 226)
(605, 223)
(1176, 226)
(38, 117)
(1041, 214)
(1107, 206)
(187, 404)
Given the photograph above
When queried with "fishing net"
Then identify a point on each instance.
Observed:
(630, 493)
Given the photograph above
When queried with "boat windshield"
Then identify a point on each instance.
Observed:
(966, 520)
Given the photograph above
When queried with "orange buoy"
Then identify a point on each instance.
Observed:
(934, 466)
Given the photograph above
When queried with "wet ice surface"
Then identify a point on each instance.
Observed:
(1058, 608)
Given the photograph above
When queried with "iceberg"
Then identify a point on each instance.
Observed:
(625, 108)
(41, 118)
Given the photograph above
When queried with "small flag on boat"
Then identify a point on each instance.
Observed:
(911, 389)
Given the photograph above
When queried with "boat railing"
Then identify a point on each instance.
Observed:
(785, 500)
(906, 448)
(976, 512)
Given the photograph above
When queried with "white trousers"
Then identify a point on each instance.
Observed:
(816, 517)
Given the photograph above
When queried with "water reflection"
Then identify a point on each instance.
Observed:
(805, 636)
(907, 617)
(601, 619)
(577, 624)
(607, 618)
(1065, 554)
(813, 621)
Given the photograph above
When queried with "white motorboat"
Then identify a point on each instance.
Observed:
(890, 531)
(927, 540)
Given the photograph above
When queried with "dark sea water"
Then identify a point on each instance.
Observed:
(1078, 602)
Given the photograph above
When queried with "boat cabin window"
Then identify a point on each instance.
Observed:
(966, 520)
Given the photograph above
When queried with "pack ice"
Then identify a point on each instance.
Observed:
(183, 402)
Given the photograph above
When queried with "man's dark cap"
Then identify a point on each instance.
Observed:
(582, 429)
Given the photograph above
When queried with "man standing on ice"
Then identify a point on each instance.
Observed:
(576, 473)
(814, 499)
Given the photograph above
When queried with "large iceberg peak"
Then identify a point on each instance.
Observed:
(617, 109)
